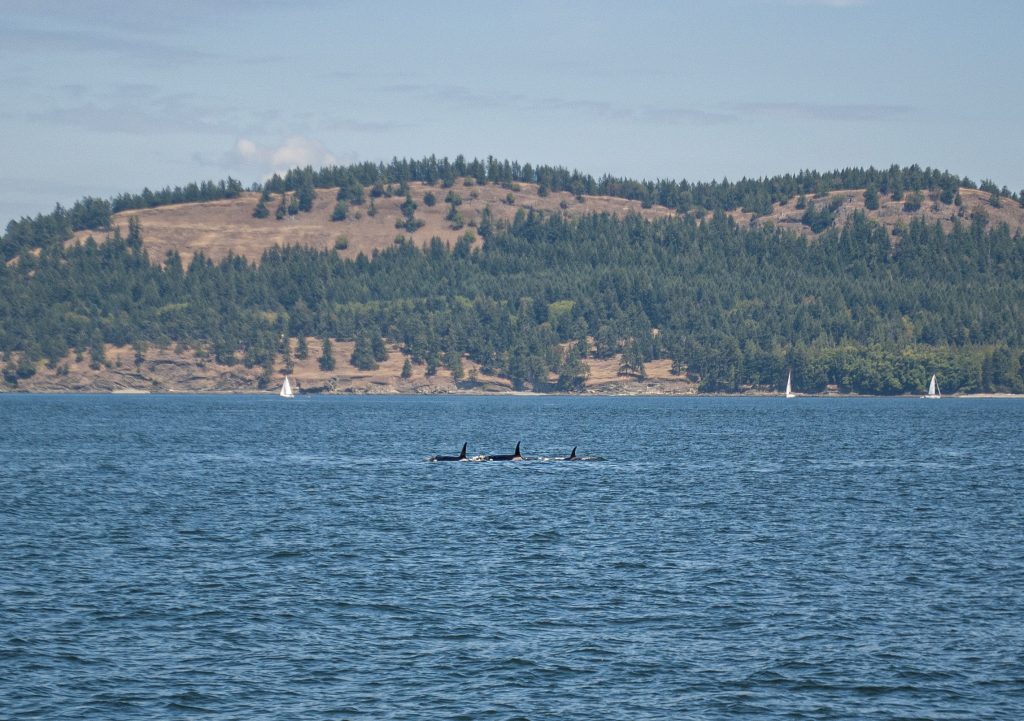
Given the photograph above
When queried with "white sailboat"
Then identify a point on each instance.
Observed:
(789, 386)
(286, 389)
(933, 389)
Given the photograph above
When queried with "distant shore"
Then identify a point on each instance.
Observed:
(166, 370)
(596, 393)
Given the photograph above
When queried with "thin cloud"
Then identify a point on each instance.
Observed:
(358, 126)
(131, 111)
(839, 4)
(458, 95)
(135, 91)
(145, 15)
(593, 108)
(139, 108)
(838, 112)
(599, 109)
(31, 41)
(686, 116)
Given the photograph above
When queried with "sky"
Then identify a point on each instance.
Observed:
(99, 98)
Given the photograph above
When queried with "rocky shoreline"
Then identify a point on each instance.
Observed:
(169, 371)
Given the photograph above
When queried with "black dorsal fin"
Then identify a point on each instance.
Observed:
(572, 454)
(462, 456)
(517, 454)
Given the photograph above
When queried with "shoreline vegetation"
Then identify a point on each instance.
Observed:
(130, 371)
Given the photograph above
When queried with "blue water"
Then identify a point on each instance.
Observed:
(252, 558)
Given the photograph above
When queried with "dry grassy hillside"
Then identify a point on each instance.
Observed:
(228, 225)
(890, 212)
(217, 227)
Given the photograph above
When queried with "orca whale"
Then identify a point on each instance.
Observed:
(460, 457)
(514, 457)
(572, 456)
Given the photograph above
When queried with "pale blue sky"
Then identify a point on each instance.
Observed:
(98, 98)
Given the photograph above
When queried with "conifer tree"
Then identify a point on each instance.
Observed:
(572, 371)
(871, 198)
(326, 359)
(433, 361)
(305, 196)
(286, 357)
(453, 362)
(633, 361)
(377, 347)
(362, 354)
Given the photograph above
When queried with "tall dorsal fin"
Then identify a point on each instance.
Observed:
(462, 456)
(517, 454)
(572, 455)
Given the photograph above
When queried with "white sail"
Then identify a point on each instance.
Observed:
(789, 386)
(933, 389)
(286, 389)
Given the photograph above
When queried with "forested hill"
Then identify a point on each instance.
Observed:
(533, 279)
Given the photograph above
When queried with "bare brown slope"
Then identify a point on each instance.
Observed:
(217, 227)
(227, 225)
(891, 214)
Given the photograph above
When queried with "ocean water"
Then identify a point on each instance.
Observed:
(246, 557)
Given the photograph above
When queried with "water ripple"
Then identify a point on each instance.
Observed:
(240, 557)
